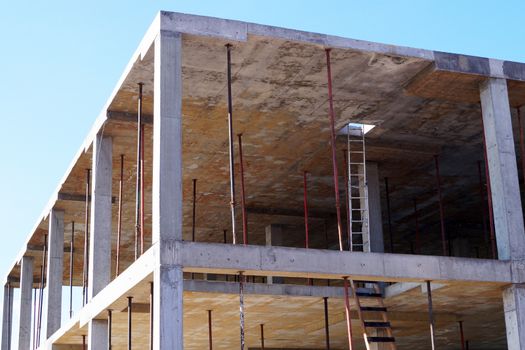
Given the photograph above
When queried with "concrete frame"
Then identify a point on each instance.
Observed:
(55, 269)
(100, 242)
(7, 317)
(26, 288)
(169, 256)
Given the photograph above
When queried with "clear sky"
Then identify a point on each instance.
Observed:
(60, 60)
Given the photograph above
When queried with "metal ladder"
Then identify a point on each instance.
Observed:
(376, 330)
(358, 189)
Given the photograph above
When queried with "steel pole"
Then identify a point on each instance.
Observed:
(333, 147)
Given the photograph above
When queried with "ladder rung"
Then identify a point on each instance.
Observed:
(373, 308)
(377, 324)
(381, 339)
(358, 209)
(356, 163)
(357, 198)
(355, 140)
(351, 151)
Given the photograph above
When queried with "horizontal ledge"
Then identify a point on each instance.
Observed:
(329, 264)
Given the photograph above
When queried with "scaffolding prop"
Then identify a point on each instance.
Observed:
(431, 316)
(241, 308)
(262, 336)
(416, 219)
(230, 140)
(461, 335)
(119, 215)
(130, 315)
(71, 262)
(151, 315)
(347, 314)
(333, 147)
(85, 270)
(243, 196)
(326, 323)
(389, 215)
(194, 205)
(139, 187)
(110, 326)
(444, 241)
(210, 335)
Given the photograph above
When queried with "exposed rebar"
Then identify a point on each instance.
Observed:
(389, 215)
(85, 271)
(241, 308)
(130, 312)
(138, 186)
(347, 314)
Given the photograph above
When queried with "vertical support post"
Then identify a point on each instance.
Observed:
(210, 334)
(138, 186)
(83, 342)
(71, 267)
(7, 317)
(230, 139)
(55, 270)
(501, 155)
(326, 324)
(305, 203)
(333, 147)
(431, 316)
(194, 181)
(375, 230)
(110, 326)
(482, 199)
(26, 286)
(151, 312)
(262, 336)
(416, 219)
(522, 145)
(514, 308)
(389, 216)
(167, 191)
(243, 196)
(100, 242)
(130, 322)
(444, 241)
(119, 217)
(87, 217)
(461, 335)
(241, 308)
(347, 314)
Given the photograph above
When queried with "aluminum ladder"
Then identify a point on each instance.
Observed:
(357, 189)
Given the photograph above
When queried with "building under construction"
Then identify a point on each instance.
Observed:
(254, 187)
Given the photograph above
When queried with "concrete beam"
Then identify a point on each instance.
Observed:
(7, 317)
(514, 308)
(501, 155)
(100, 242)
(26, 288)
(315, 263)
(55, 270)
(167, 190)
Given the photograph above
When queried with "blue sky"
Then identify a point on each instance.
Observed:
(60, 60)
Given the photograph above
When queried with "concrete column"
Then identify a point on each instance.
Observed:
(377, 244)
(514, 307)
(7, 317)
(100, 242)
(508, 219)
(274, 237)
(55, 270)
(26, 287)
(167, 191)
